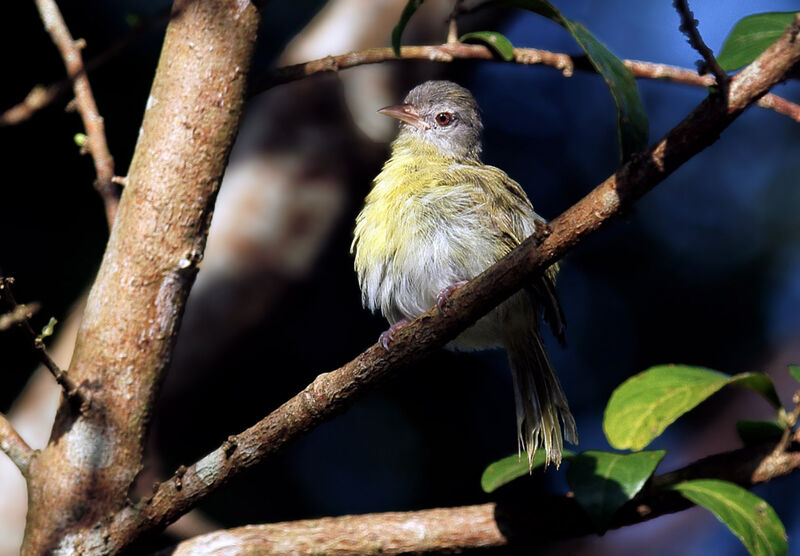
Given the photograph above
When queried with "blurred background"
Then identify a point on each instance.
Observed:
(704, 271)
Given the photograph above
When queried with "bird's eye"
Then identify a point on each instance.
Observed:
(444, 118)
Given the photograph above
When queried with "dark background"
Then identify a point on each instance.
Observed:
(705, 271)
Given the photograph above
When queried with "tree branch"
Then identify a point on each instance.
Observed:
(71, 389)
(87, 107)
(527, 56)
(333, 392)
(649, 70)
(689, 28)
(487, 525)
(780, 105)
(40, 96)
(17, 315)
(135, 306)
(14, 446)
(790, 420)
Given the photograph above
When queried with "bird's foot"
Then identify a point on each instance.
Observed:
(444, 295)
(387, 337)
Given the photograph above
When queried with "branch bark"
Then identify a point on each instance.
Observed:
(87, 107)
(485, 525)
(12, 444)
(135, 306)
(689, 28)
(331, 393)
(68, 385)
(526, 56)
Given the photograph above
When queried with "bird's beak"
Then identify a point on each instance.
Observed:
(405, 113)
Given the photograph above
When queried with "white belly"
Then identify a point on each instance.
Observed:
(434, 258)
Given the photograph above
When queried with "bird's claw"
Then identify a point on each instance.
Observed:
(444, 296)
(387, 337)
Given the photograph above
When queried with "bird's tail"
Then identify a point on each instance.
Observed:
(542, 410)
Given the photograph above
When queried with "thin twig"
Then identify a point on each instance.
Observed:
(649, 70)
(12, 444)
(70, 388)
(790, 422)
(452, 31)
(452, 26)
(41, 96)
(17, 315)
(87, 107)
(528, 56)
(689, 28)
(781, 106)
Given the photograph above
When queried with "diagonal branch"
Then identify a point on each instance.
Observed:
(527, 56)
(333, 392)
(492, 524)
(87, 107)
(14, 446)
(689, 28)
(39, 97)
(71, 390)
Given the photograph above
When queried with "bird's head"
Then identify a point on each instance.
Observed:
(443, 114)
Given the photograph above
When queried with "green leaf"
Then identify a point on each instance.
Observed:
(632, 125)
(758, 382)
(644, 405)
(397, 32)
(794, 370)
(755, 432)
(751, 36)
(497, 42)
(505, 470)
(747, 516)
(604, 481)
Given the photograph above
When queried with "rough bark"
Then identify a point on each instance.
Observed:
(136, 302)
(12, 444)
(443, 530)
(493, 524)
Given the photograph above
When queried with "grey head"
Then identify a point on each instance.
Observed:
(444, 114)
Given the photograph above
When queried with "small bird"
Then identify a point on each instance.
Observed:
(437, 217)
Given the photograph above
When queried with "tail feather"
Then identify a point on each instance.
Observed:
(543, 416)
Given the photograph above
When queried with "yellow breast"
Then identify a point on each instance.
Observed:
(393, 207)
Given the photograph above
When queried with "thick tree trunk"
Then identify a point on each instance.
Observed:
(85, 473)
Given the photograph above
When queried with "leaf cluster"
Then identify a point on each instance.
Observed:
(638, 412)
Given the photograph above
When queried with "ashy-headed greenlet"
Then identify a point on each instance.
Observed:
(436, 217)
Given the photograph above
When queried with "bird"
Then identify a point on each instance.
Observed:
(436, 217)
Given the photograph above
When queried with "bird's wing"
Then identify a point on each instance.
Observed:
(544, 290)
(510, 215)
